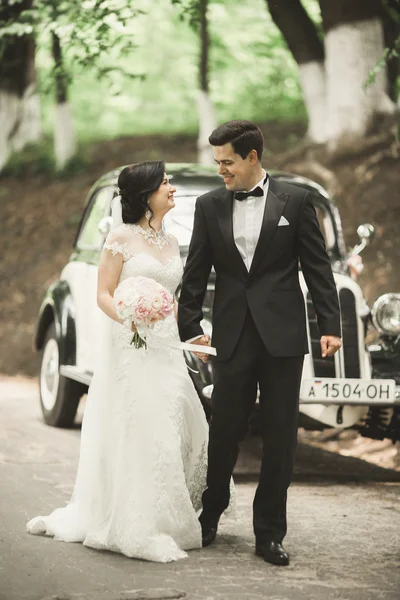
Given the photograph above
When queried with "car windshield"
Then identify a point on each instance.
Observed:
(179, 221)
(326, 225)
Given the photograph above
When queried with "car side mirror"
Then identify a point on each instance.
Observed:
(105, 225)
(366, 233)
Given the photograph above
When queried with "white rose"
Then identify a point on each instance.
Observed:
(157, 303)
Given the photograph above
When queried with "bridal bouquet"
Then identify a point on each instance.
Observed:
(144, 302)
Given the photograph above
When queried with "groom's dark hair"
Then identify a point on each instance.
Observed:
(244, 136)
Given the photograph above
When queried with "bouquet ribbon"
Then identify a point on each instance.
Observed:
(165, 343)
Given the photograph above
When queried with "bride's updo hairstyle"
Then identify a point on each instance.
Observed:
(136, 184)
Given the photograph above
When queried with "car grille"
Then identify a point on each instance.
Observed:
(349, 365)
(349, 333)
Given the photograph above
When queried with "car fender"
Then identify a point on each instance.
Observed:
(58, 308)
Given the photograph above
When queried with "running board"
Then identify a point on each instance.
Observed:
(76, 374)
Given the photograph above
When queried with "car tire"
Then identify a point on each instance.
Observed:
(59, 395)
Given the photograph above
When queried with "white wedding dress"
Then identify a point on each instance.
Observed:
(143, 456)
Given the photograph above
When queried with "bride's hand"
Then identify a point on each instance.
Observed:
(133, 327)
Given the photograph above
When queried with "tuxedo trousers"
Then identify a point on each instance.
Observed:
(234, 395)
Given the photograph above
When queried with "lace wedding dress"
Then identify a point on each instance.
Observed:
(142, 466)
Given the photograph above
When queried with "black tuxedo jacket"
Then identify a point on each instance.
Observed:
(271, 289)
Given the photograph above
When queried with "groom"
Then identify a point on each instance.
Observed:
(254, 231)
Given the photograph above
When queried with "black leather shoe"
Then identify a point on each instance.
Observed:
(208, 533)
(273, 552)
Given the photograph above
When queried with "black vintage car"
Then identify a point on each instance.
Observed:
(347, 390)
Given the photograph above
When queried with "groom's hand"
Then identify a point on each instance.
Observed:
(329, 345)
(203, 341)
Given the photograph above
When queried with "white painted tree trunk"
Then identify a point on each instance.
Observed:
(9, 110)
(207, 123)
(19, 122)
(29, 129)
(64, 135)
(352, 50)
(313, 84)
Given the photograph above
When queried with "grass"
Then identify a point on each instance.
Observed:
(38, 159)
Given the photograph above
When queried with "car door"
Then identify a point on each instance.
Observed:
(81, 274)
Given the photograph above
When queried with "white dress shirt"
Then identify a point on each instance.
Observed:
(248, 216)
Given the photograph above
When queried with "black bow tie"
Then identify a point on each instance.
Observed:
(244, 195)
(257, 192)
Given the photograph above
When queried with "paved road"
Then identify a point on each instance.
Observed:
(344, 528)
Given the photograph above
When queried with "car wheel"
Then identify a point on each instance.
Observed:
(59, 396)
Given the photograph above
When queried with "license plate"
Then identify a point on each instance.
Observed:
(347, 391)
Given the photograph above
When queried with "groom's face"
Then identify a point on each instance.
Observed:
(237, 172)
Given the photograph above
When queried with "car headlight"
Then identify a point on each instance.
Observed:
(386, 314)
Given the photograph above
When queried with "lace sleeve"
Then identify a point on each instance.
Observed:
(115, 244)
(116, 248)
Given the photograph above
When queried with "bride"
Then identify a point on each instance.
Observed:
(142, 465)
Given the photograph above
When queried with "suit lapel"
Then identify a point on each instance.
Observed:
(274, 207)
(223, 204)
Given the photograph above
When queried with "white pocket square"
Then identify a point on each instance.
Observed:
(283, 222)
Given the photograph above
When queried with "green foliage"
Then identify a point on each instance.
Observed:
(38, 159)
(189, 12)
(9, 26)
(93, 34)
(252, 74)
(255, 73)
(88, 30)
(389, 54)
(34, 159)
(392, 8)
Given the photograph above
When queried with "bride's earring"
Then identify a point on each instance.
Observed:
(148, 215)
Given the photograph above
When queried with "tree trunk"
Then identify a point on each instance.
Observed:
(391, 31)
(64, 134)
(302, 39)
(19, 100)
(206, 111)
(354, 42)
